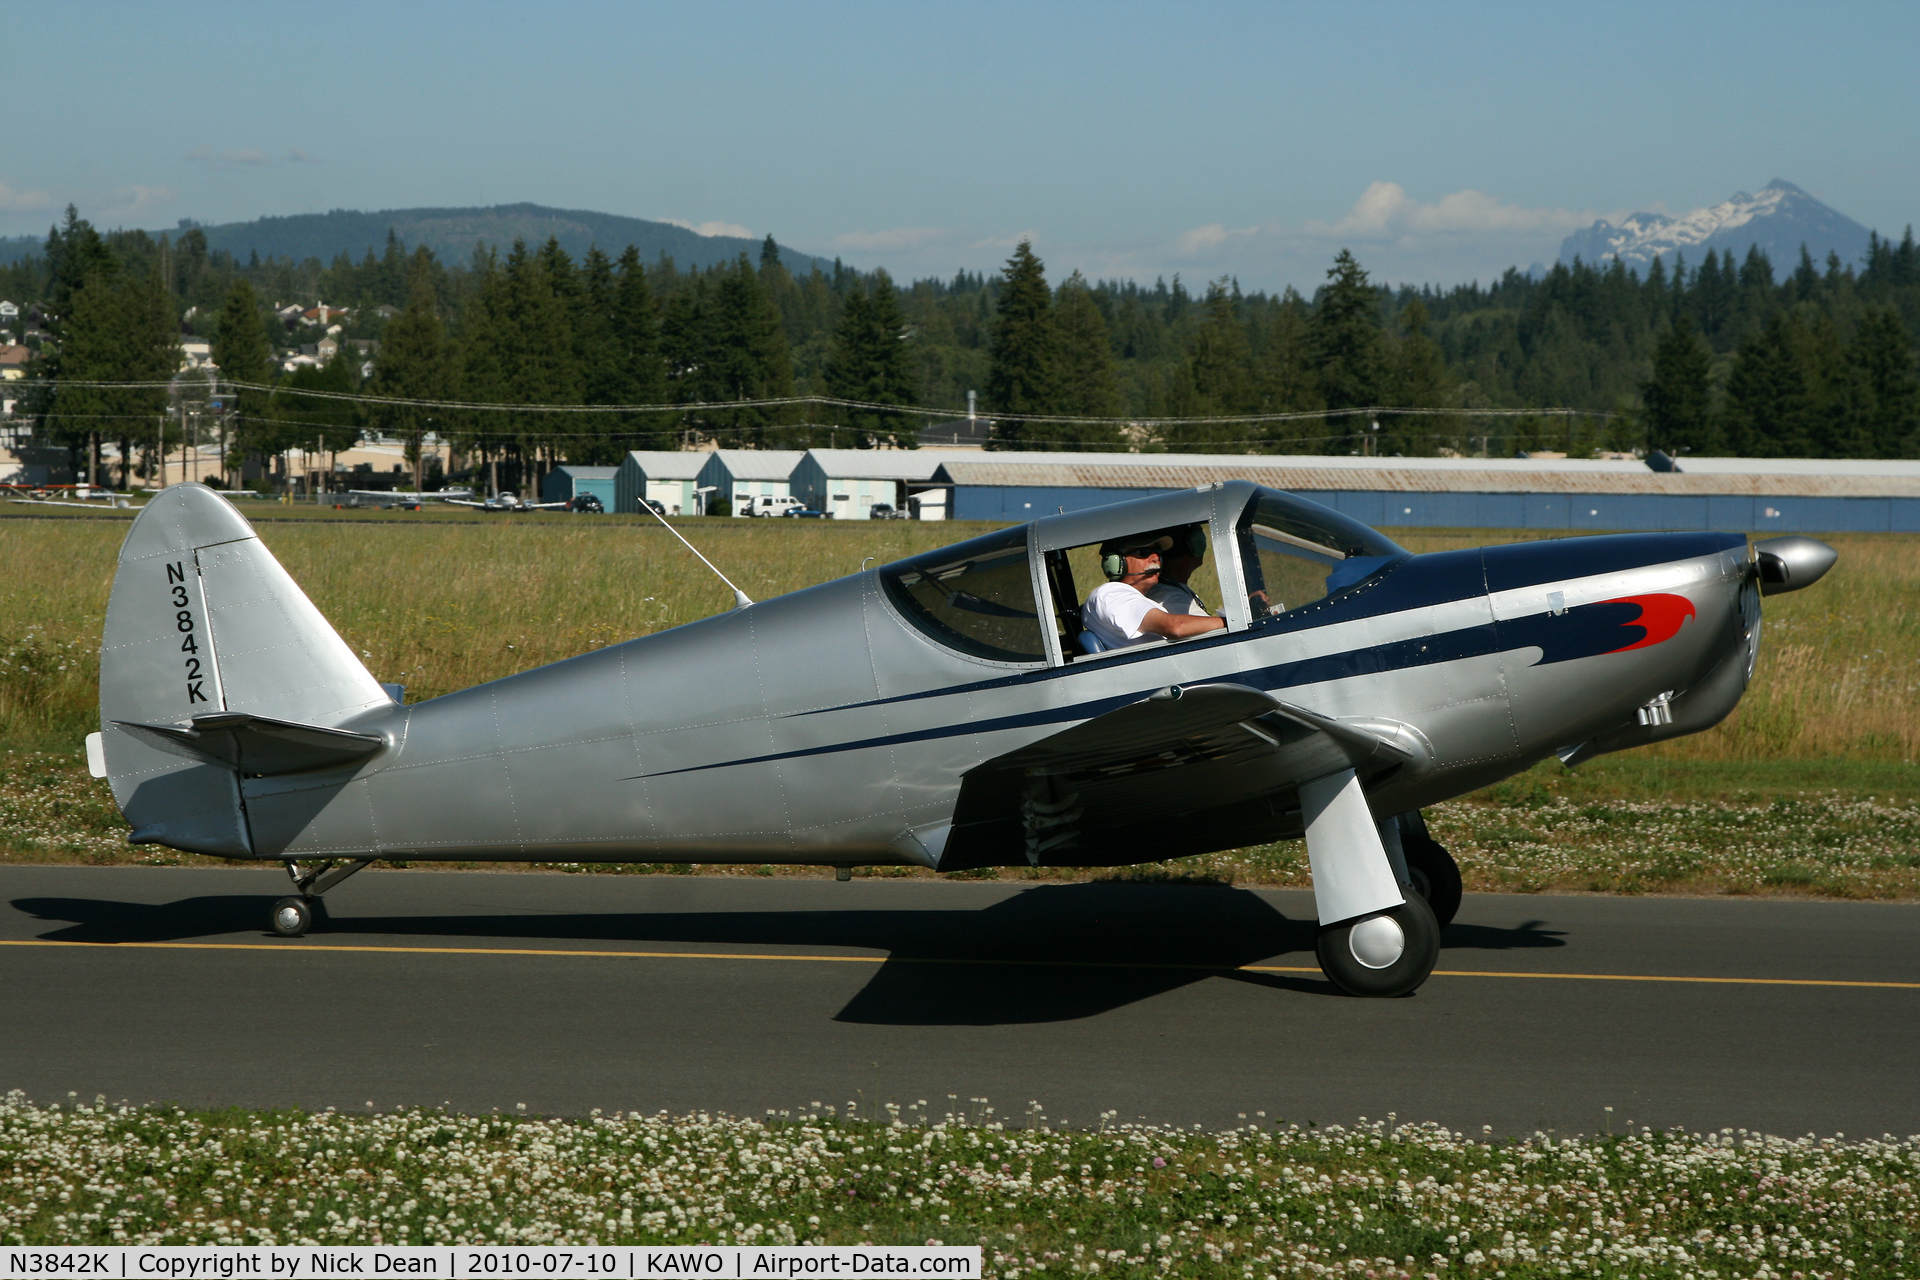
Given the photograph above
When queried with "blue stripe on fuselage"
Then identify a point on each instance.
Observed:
(1415, 582)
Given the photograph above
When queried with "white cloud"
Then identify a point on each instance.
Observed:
(1211, 236)
(1385, 210)
(893, 240)
(16, 201)
(1386, 215)
(712, 228)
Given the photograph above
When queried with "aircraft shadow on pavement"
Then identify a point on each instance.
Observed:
(1046, 954)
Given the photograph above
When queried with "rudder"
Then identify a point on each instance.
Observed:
(203, 620)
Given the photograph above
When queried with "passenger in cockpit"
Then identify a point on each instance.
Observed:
(1177, 564)
(1119, 612)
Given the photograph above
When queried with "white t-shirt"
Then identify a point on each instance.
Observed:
(1114, 612)
(1177, 597)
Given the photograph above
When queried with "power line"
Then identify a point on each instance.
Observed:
(1372, 411)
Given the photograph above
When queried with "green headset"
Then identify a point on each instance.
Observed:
(1194, 539)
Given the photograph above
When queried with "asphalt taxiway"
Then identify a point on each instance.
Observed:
(1171, 1003)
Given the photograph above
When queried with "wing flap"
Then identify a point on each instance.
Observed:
(256, 745)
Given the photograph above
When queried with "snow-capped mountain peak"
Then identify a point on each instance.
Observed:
(1779, 218)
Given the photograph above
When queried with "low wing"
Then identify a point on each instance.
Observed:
(1180, 772)
(461, 502)
(257, 745)
(543, 506)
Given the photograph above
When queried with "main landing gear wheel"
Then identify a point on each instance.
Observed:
(1389, 953)
(292, 917)
(1436, 876)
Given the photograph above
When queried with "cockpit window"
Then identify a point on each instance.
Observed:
(1295, 552)
(976, 597)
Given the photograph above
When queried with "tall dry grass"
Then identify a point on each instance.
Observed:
(439, 606)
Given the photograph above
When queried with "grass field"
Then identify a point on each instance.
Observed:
(1373, 1201)
(1810, 787)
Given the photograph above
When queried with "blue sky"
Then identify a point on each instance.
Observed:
(1440, 142)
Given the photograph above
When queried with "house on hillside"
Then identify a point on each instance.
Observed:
(9, 313)
(13, 362)
(666, 476)
(739, 475)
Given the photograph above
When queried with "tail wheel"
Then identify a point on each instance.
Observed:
(292, 917)
(1436, 876)
(1389, 953)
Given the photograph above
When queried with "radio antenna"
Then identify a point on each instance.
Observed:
(740, 598)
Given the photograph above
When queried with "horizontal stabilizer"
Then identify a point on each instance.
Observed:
(255, 745)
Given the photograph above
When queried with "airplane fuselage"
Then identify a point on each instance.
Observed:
(823, 727)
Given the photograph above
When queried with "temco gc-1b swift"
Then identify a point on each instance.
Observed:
(952, 710)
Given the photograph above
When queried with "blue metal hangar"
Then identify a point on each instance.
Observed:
(569, 480)
(1772, 495)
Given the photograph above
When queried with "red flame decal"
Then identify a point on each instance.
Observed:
(1661, 614)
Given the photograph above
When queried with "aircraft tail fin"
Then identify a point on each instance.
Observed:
(211, 651)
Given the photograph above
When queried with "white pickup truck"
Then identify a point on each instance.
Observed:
(762, 504)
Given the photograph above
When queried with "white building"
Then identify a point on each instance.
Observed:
(847, 483)
(667, 477)
(739, 474)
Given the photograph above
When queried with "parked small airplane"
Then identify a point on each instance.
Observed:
(405, 499)
(506, 500)
(944, 710)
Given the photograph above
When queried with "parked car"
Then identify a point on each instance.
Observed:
(588, 503)
(885, 511)
(806, 513)
(656, 506)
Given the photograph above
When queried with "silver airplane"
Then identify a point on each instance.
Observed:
(507, 500)
(943, 711)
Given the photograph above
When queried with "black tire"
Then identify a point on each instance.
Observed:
(1436, 876)
(291, 917)
(1341, 950)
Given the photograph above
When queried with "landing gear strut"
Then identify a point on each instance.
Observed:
(292, 917)
(1434, 873)
(1377, 938)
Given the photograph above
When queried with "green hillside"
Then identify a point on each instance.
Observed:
(452, 233)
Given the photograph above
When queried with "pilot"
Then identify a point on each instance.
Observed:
(1188, 553)
(1120, 613)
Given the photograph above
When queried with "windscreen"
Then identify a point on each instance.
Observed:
(1295, 552)
(976, 597)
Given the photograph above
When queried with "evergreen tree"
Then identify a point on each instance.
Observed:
(870, 361)
(635, 326)
(1678, 398)
(415, 363)
(115, 330)
(1084, 374)
(1419, 379)
(1217, 377)
(745, 357)
(1347, 344)
(1881, 401)
(1283, 374)
(1020, 372)
(323, 425)
(1769, 407)
(241, 351)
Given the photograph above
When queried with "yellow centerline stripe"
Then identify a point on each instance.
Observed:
(824, 959)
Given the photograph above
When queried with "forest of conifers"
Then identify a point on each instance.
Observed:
(1713, 357)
